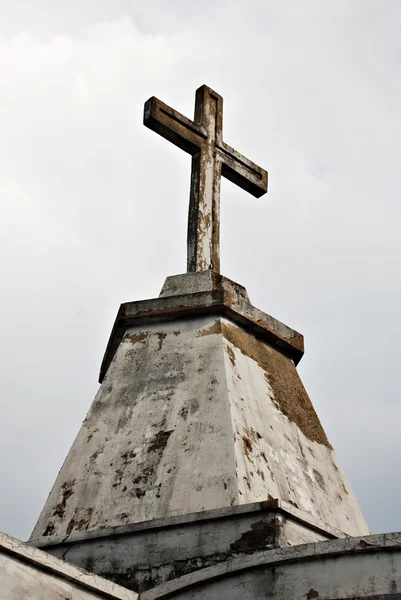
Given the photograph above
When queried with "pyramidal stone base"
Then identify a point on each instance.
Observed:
(200, 410)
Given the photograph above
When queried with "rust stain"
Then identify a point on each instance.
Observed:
(162, 337)
(247, 446)
(263, 455)
(67, 492)
(230, 353)
(289, 393)
(206, 220)
(137, 337)
(261, 474)
(215, 328)
(247, 483)
(82, 524)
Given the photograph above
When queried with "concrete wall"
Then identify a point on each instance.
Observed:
(348, 569)
(142, 555)
(27, 573)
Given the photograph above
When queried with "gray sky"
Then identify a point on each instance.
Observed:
(94, 208)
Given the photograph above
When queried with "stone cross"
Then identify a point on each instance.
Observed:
(211, 158)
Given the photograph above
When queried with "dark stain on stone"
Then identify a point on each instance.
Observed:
(193, 405)
(94, 456)
(319, 479)
(289, 393)
(49, 529)
(162, 337)
(364, 544)
(231, 354)
(261, 474)
(137, 337)
(89, 565)
(260, 535)
(81, 524)
(312, 594)
(293, 503)
(159, 441)
(67, 492)
(247, 445)
(183, 412)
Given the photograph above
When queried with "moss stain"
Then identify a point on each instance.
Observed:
(289, 393)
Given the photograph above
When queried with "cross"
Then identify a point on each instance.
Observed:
(211, 158)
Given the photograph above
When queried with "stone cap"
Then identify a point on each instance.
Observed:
(193, 294)
(274, 505)
(203, 281)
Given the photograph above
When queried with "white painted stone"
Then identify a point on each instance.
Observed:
(166, 436)
(28, 573)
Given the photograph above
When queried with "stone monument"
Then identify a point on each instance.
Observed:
(201, 469)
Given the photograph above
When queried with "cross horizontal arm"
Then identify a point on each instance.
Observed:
(173, 126)
(242, 171)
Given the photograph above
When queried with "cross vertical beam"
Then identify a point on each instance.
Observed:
(211, 158)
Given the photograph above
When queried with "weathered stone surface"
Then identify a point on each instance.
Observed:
(143, 555)
(206, 281)
(28, 573)
(353, 568)
(197, 413)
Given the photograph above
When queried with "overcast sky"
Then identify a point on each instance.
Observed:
(94, 208)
